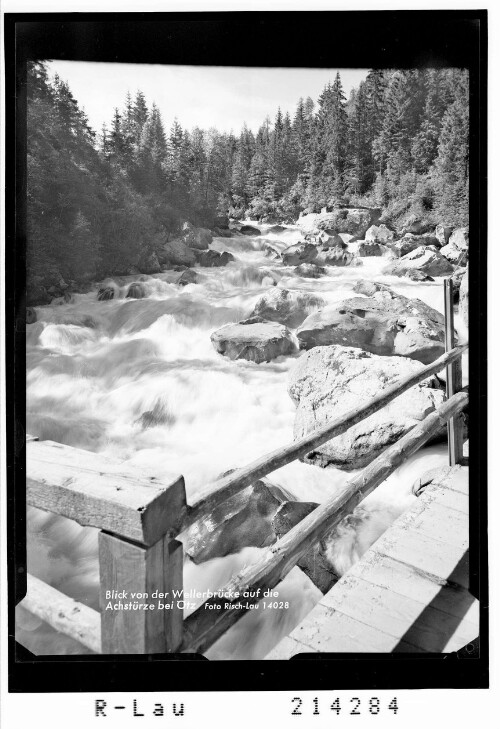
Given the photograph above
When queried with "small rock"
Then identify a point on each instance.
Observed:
(209, 259)
(460, 239)
(136, 291)
(31, 316)
(366, 248)
(187, 277)
(249, 230)
(335, 257)
(299, 253)
(310, 270)
(442, 234)
(105, 294)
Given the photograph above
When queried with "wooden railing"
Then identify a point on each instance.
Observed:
(140, 518)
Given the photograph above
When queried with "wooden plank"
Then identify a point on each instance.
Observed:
(423, 553)
(402, 617)
(285, 649)
(100, 492)
(446, 497)
(204, 626)
(136, 570)
(443, 524)
(328, 631)
(378, 569)
(239, 479)
(63, 613)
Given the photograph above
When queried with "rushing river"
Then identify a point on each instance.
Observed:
(94, 368)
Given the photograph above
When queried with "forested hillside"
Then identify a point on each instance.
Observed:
(102, 204)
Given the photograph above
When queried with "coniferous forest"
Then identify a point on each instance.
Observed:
(101, 202)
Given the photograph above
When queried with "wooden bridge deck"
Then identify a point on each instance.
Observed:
(409, 592)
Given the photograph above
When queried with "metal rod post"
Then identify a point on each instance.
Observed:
(453, 379)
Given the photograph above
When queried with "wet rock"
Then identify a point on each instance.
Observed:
(384, 324)
(150, 264)
(209, 259)
(369, 288)
(415, 275)
(286, 307)
(414, 224)
(329, 381)
(299, 253)
(198, 238)
(276, 229)
(379, 234)
(309, 270)
(271, 252)
(159, 415)
(330, 240)
(411, 242)
(442, 234)
(244, 520)
(460, 239)
(187, 277)
(136, 290)
(37, 295)
(249, 230)
(456, 280)
(176, 252)
(31, 316)
(335, 257)
(105, 294)
(464, 298)
(365, 248)
(426, 260)
(354, 221)
(254, 339)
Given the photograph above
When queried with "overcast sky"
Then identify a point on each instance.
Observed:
(204, 96)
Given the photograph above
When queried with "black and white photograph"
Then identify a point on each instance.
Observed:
(248, 420)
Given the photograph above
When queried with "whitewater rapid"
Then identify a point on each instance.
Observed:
(95, 367)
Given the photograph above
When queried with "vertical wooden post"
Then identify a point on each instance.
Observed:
(129, 574)
(453, 379)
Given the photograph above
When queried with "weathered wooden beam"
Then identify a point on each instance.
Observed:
(225, 487)
(453, 378)
(97, 491)
(130, 573)
(205, 625)
(63, 613)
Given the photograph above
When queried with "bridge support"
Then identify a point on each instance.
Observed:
(453, 380)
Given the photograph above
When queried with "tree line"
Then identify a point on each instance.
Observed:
(99, 204)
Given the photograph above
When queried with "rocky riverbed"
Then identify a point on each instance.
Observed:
(238, 344)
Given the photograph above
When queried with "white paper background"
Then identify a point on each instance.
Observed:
(439, 708)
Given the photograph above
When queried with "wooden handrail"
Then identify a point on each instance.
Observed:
(239, 479)
(205, 626)
(63, 613)
(97, 491)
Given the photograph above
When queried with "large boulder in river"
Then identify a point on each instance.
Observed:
(379, 234)
(176, 252)
(329, 240)
(384, 324)
(427, 260)
(106, 293)
(254, 339)
(410, 242)
(187, 277)
(299, 253)
(464, 298)
(355, 221)
(369, 288)
(209, 259)
(243, 520)
(276, 229)
(286, 307)
(328, 382)
(198, 238)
